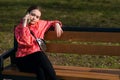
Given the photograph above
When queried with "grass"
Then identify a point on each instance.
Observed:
(78, 13)
(6, 41)
(85, 13)
(85, 60)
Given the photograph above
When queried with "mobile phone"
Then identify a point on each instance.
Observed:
(28, 19)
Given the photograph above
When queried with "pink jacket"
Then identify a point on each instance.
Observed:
(26, 42)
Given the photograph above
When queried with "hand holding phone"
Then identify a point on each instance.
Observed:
(26, 19)
(26, 16)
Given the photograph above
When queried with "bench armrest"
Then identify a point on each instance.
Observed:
(5, 55)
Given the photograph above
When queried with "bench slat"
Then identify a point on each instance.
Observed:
(17, 73)
(87, 75)
(87, 69)
(85, 36)
(83, 49)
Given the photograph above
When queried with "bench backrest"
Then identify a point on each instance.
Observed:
(91, 41)
(75, 40)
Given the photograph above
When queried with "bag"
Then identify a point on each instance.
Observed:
(41, 44)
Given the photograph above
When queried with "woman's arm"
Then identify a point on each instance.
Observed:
(25, 20)
(23, 35)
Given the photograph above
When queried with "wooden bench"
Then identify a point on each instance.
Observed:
(70, 43)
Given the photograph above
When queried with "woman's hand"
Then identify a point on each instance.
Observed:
(25, 19)
(58, 29)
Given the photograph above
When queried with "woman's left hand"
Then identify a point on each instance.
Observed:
(58, 29)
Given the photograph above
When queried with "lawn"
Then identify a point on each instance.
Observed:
(78, 13)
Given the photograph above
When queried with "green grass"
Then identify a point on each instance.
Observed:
(78, 13)
(85, 60)
(6, 41)
(85, 13)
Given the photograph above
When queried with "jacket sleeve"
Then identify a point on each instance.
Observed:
(56, 21)
(52, 24)
(23, 36)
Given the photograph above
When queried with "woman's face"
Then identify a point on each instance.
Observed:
(34, 16)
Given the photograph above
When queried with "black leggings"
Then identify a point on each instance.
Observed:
(37, 63)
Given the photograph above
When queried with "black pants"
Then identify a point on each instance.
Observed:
(37, 63)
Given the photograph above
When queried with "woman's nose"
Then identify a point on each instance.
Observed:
(34, 18)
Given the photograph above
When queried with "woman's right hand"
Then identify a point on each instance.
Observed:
(26, 19)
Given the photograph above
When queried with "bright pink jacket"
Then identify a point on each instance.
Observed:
(26, 42)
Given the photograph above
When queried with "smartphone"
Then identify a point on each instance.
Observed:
(28, 20)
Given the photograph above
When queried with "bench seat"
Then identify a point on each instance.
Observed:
(72, 72)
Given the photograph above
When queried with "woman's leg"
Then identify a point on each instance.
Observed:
(40, 74)
(47, 66)
(30, 64)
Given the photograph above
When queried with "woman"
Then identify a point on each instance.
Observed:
(29, 56)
